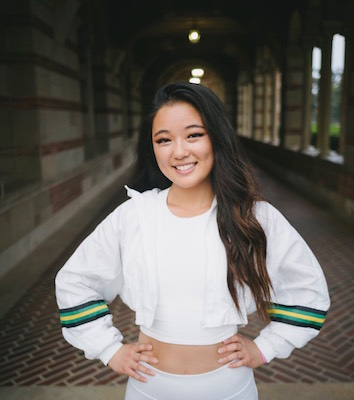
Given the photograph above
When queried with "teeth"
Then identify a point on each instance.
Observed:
(184, 167)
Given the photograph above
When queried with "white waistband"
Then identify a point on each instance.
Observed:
(223, 383)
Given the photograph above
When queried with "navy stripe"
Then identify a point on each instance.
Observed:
(79, 307)
(295, 323)
(302, 308)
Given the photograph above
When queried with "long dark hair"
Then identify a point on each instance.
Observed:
(233, 183)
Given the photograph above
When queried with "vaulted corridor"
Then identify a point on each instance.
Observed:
(76, 77)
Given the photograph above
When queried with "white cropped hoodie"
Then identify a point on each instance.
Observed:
(119, 258)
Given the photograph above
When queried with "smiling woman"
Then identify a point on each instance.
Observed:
(193, 254)
(184, 154)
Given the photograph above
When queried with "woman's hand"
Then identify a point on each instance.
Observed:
(126, 361)
(244, 351)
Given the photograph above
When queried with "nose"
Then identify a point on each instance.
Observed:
(181, 149)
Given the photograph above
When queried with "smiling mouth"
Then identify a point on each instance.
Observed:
(185, 166)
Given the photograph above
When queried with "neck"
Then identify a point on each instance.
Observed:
(190, 201)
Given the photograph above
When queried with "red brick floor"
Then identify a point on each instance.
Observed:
(33, 352)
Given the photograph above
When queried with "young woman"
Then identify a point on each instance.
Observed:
(193, 252)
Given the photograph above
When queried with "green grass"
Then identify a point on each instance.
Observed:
(334, 129)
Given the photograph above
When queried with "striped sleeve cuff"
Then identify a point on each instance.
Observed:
(83, 313)
(297, 315)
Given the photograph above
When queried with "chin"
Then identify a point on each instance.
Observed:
(187, 185)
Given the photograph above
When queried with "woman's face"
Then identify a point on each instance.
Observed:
(182, 146)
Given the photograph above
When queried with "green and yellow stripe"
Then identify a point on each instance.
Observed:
(90, 311)
(297, 315)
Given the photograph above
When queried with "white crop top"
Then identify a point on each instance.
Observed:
(182, 281)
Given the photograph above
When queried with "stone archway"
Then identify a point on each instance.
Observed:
(182, 73)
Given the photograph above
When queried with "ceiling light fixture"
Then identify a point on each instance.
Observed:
(194, 36)
(194, 80)
(197, 72)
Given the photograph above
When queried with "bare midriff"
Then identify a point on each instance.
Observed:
(183, 359)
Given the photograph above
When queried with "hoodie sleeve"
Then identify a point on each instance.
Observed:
(300, 298)
(85, 286)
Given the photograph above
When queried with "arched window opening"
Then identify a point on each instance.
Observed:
(316, 76)
(244, 109)
(337, 68)
(184, 71)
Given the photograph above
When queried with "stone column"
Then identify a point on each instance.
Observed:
(275, 111)
(348, 102)
(293, 97)
(266, 136)
(345, 91)
(324, 97)
(245, 109)
(249, 109)
(258, 105)
(307, 98)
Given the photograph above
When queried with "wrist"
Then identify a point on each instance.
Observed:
(109, 352)
(265, 347)
(263, 358)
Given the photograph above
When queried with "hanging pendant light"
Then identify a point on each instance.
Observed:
(194, 36)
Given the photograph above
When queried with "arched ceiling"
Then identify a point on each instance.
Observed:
(154, 36)
(230, 29)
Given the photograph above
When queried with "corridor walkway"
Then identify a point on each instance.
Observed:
(34, 355)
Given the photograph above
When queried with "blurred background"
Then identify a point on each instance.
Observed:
(76, 77)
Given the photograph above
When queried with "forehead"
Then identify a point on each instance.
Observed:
(177, 112)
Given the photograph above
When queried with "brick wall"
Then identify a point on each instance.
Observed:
(65, 192)
(31, 218)
(40, 106)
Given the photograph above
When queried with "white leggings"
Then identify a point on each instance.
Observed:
(220, 384)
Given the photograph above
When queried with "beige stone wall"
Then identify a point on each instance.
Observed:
(40, 87)
(33, 216)
(47, 119)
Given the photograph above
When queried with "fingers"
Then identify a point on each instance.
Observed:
(233, 339)
(145, 370)
(147, 359)
(137, 357)
(127, 360)
(230, 347)
(237, 349)
(143, 347)
(234, 343)
(231, 357)
(242, 352)
(138, 367)
(237, 364)
(133, 374)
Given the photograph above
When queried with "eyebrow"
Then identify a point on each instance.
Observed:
(187, 127)
(194, 126)
(161, 131)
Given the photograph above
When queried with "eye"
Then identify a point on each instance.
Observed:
(195, 135)
(162, 140)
